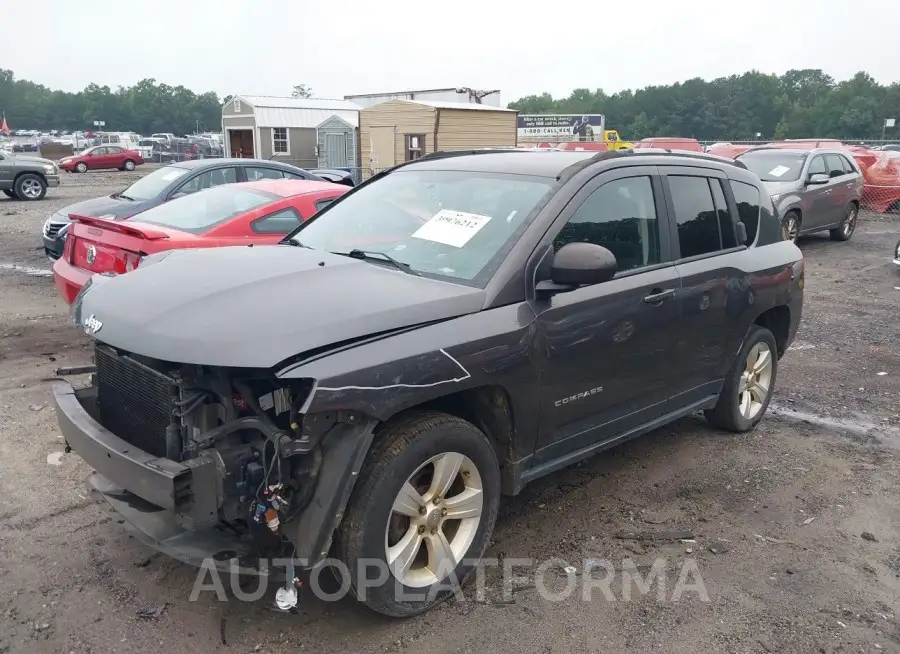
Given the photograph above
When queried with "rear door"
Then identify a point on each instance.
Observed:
(255, 173)
(841, 184)
(702, 233)
(115, 157)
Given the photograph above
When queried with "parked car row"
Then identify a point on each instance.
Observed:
(371, 385)
(160, 186)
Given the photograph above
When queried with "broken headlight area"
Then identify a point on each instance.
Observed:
(254, 456)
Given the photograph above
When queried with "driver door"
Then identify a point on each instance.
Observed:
(606, 349)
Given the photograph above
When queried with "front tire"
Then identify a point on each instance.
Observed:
(845, 230)
(749, 385)
(424, 508)
(81, 167)
(790, 226)
(30, 187)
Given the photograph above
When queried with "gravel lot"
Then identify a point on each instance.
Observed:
(796, 527)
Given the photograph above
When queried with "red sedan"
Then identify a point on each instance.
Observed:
(259, 212)
(100, 157)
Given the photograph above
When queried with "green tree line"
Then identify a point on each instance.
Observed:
(799, 104)
(146, 107)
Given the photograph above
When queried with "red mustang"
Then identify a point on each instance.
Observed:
(231, 214)
(100, 157)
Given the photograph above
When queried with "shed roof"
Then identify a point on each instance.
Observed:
(465, 106)
(272, 111)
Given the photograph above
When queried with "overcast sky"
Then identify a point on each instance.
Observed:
(264, 47)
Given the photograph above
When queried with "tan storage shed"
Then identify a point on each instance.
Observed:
(402, 130)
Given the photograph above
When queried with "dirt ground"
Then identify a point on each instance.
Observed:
(795, 527)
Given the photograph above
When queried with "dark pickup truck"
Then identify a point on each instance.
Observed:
(26, 178)
(445, 333)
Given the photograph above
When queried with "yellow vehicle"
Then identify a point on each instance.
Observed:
(614, 142)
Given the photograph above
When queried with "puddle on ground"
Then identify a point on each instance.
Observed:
(27, 270)
(860, 424)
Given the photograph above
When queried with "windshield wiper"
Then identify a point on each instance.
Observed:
(122, 196)
(293, 241)
(368, 255)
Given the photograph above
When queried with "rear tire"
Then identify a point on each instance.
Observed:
(749, 385)
(30, 187)
(400, 499)
(848, 224)
(128, 165)
(81, 167)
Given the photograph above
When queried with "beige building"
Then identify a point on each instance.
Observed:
(308, 133)
(402, 130)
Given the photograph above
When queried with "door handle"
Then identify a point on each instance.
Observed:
(657, 295)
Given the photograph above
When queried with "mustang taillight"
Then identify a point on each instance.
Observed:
(126, 262)
(69, 246)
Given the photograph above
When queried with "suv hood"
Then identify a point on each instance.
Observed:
(254, 307)
(31, 160)
(780, 188)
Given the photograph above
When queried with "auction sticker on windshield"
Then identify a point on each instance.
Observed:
(778, 171)
(454, 228)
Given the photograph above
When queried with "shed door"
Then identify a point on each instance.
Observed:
(336, 150)
(381, 148)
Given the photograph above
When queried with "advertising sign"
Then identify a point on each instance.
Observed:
(560, 127)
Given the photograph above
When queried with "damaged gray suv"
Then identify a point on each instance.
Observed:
(445, 333)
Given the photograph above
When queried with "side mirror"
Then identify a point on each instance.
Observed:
(579, 264)
(817, 178)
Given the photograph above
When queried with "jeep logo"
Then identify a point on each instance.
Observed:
(92, 325)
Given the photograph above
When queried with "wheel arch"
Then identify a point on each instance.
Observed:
(778, 321)
(36, 173)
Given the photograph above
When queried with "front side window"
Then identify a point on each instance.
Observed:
(280, 222)
(695, 213)
(620, 216)
(209, 179)
(817, 167)
(746, 197)
(450, 224)
(280, 144)
(200, 212)
(254, 173)
(774, 165)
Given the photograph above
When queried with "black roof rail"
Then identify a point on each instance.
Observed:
(613, 154)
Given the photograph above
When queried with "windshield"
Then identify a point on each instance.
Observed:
(198, 213)
(774, 166)
(449, 224)
(153, 184)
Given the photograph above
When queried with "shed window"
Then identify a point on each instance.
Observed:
(415, 146)
(237, 106)
(280, 143)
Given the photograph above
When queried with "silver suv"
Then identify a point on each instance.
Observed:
(813, 190)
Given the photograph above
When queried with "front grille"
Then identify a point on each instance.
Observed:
(135, 400)
(51, 229)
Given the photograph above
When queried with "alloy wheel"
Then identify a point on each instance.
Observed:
(756, 381)
(31, 189)
(790, 228)
(849, 221)
(434, 519)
